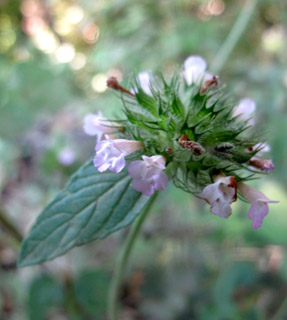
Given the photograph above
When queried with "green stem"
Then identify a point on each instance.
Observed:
(10, 227)
(123, 258)
(233, 36)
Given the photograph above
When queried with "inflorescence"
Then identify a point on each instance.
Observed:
(186, 131)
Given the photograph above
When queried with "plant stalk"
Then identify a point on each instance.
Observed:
(10, 227)
(123, 259)
(234, 35)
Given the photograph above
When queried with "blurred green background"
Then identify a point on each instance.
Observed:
(55, 57)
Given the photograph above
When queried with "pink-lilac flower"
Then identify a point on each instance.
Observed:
(148, 175)
(97, 125)
(110, 154)
(144, 79)
(259, 204)
(244, 110)
(195, 70)
(220, 195)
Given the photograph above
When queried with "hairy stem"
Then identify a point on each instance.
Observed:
(10, 227)
(123, 261)
(234, 35)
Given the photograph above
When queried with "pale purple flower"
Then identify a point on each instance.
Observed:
(144, 79)
(97, 125)
(259, 204)
(195, 70)
(244, 110)
(220, 195)
(148, 175)
(66, 157)
(110, 154)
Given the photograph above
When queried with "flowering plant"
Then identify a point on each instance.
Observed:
(185, 131)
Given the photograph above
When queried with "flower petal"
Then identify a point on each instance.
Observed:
(259, 204)
(258, 211)
(160, 181)
(127, 146)
(155, 161)
(221, 208)
(144, 80)
(91, 126)
(117, 164)
(210, 193)
(143, 186)
(195, 61)
(136, 169)
(148, 174)
(194, 69)
(244, 110)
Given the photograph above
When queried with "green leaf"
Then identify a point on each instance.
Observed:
(92, 206)
(45, 294)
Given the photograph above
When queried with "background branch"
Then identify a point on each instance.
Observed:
(233, 37)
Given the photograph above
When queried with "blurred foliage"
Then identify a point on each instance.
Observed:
(55, 57)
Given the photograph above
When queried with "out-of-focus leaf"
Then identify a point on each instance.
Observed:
(91, 290)
(236, 276)
(45, 293)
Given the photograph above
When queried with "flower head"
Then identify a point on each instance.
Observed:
(148, 175)
(189, 124)
(259, 204)
(110, 154)
(220, 195)
(97, 125)
(244, 110)
(195, 70)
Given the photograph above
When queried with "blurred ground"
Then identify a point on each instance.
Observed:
(55, 57)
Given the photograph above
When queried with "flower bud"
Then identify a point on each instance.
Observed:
(194, 70)
(262, 164)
